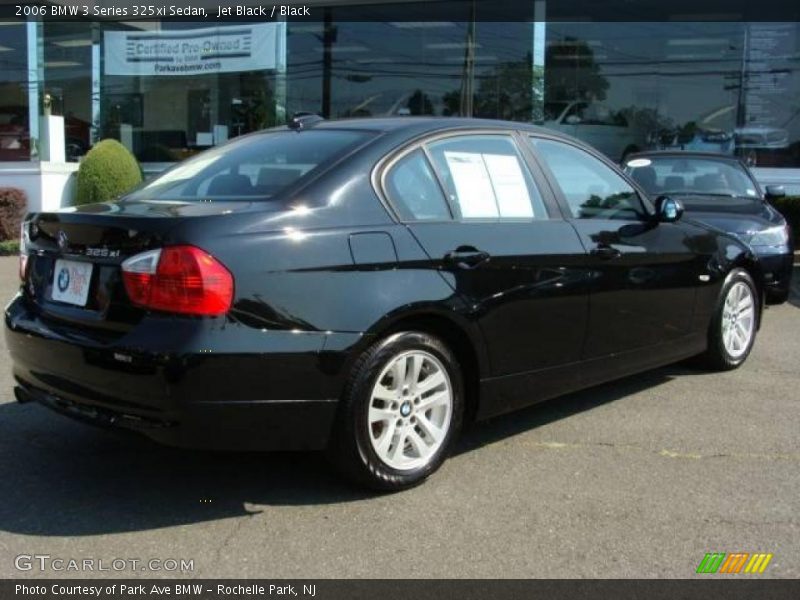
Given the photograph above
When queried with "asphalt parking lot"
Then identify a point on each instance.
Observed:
(638, 478)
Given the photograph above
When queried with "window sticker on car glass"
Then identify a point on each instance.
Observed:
(510, 189)
(473, 185)
(489, 185)
(751, 192)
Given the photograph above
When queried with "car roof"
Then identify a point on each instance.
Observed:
(423, 124)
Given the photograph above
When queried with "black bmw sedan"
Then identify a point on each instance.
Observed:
(366, 287)
(720, 190)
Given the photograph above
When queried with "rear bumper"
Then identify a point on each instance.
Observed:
(185, 382)
(274, 425)
(777, 269)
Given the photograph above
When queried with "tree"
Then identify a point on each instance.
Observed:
(419, 104)
(507, 92)
(572, 73)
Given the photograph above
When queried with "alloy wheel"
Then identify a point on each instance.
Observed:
(410, 410)
(738, 319)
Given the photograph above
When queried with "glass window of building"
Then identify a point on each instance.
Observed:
(705, 86)
(169, 89)
(443, 64)
(172, 89)
(67, 83)
(15, 139)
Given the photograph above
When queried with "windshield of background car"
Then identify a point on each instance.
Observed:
(680, 176)
(254, 167)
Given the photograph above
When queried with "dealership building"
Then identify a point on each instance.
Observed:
(622, 76)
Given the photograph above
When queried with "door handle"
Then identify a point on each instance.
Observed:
(467, 257)
(605, 251)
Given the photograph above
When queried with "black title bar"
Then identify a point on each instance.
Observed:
(220, 11)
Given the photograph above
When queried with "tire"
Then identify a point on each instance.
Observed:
(377, 413)
(723, 354)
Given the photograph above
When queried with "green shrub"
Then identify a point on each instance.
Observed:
(789, 207)
(13, 204)
(106, 172)
(9, 247)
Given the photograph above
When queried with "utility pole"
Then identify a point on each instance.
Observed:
(468, 71)
(328, 39)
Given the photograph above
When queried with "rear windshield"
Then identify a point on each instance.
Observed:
(253, 167)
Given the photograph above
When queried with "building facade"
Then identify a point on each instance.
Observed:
(168, 89)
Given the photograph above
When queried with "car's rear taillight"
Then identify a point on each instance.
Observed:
(23, 250)
(179, 279)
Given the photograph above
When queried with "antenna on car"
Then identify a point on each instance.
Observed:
(304, 120)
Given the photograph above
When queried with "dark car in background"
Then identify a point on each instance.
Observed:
(365, 287)
(721, 191)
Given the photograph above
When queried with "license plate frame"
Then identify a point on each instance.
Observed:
(71, 282)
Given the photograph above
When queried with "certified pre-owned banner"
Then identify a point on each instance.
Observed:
(224, 49)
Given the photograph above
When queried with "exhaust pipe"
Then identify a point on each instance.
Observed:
(21, 395)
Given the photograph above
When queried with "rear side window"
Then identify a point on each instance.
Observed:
(592, 189)
(253, 167)
(414, 191)
(486, 178)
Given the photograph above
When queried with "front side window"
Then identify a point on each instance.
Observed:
(412, 187)
(486, 178)
(253, 167)
(592, 190)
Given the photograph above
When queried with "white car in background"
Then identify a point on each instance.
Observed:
(761, 137)
(747, 138)
(596, 124)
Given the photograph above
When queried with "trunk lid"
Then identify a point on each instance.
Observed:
(86, 246)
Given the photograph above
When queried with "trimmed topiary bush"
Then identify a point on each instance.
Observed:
(13, 204)
(789, 207)
(106, 172)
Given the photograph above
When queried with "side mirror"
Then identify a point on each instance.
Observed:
(775, 191)
(573, 120)
(668, 210)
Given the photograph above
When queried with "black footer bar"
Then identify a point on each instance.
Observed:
(733, 588)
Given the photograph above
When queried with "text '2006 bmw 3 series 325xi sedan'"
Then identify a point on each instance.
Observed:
(366, 287)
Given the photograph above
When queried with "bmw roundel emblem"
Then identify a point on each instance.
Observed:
(63, 241)
(63, 279)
